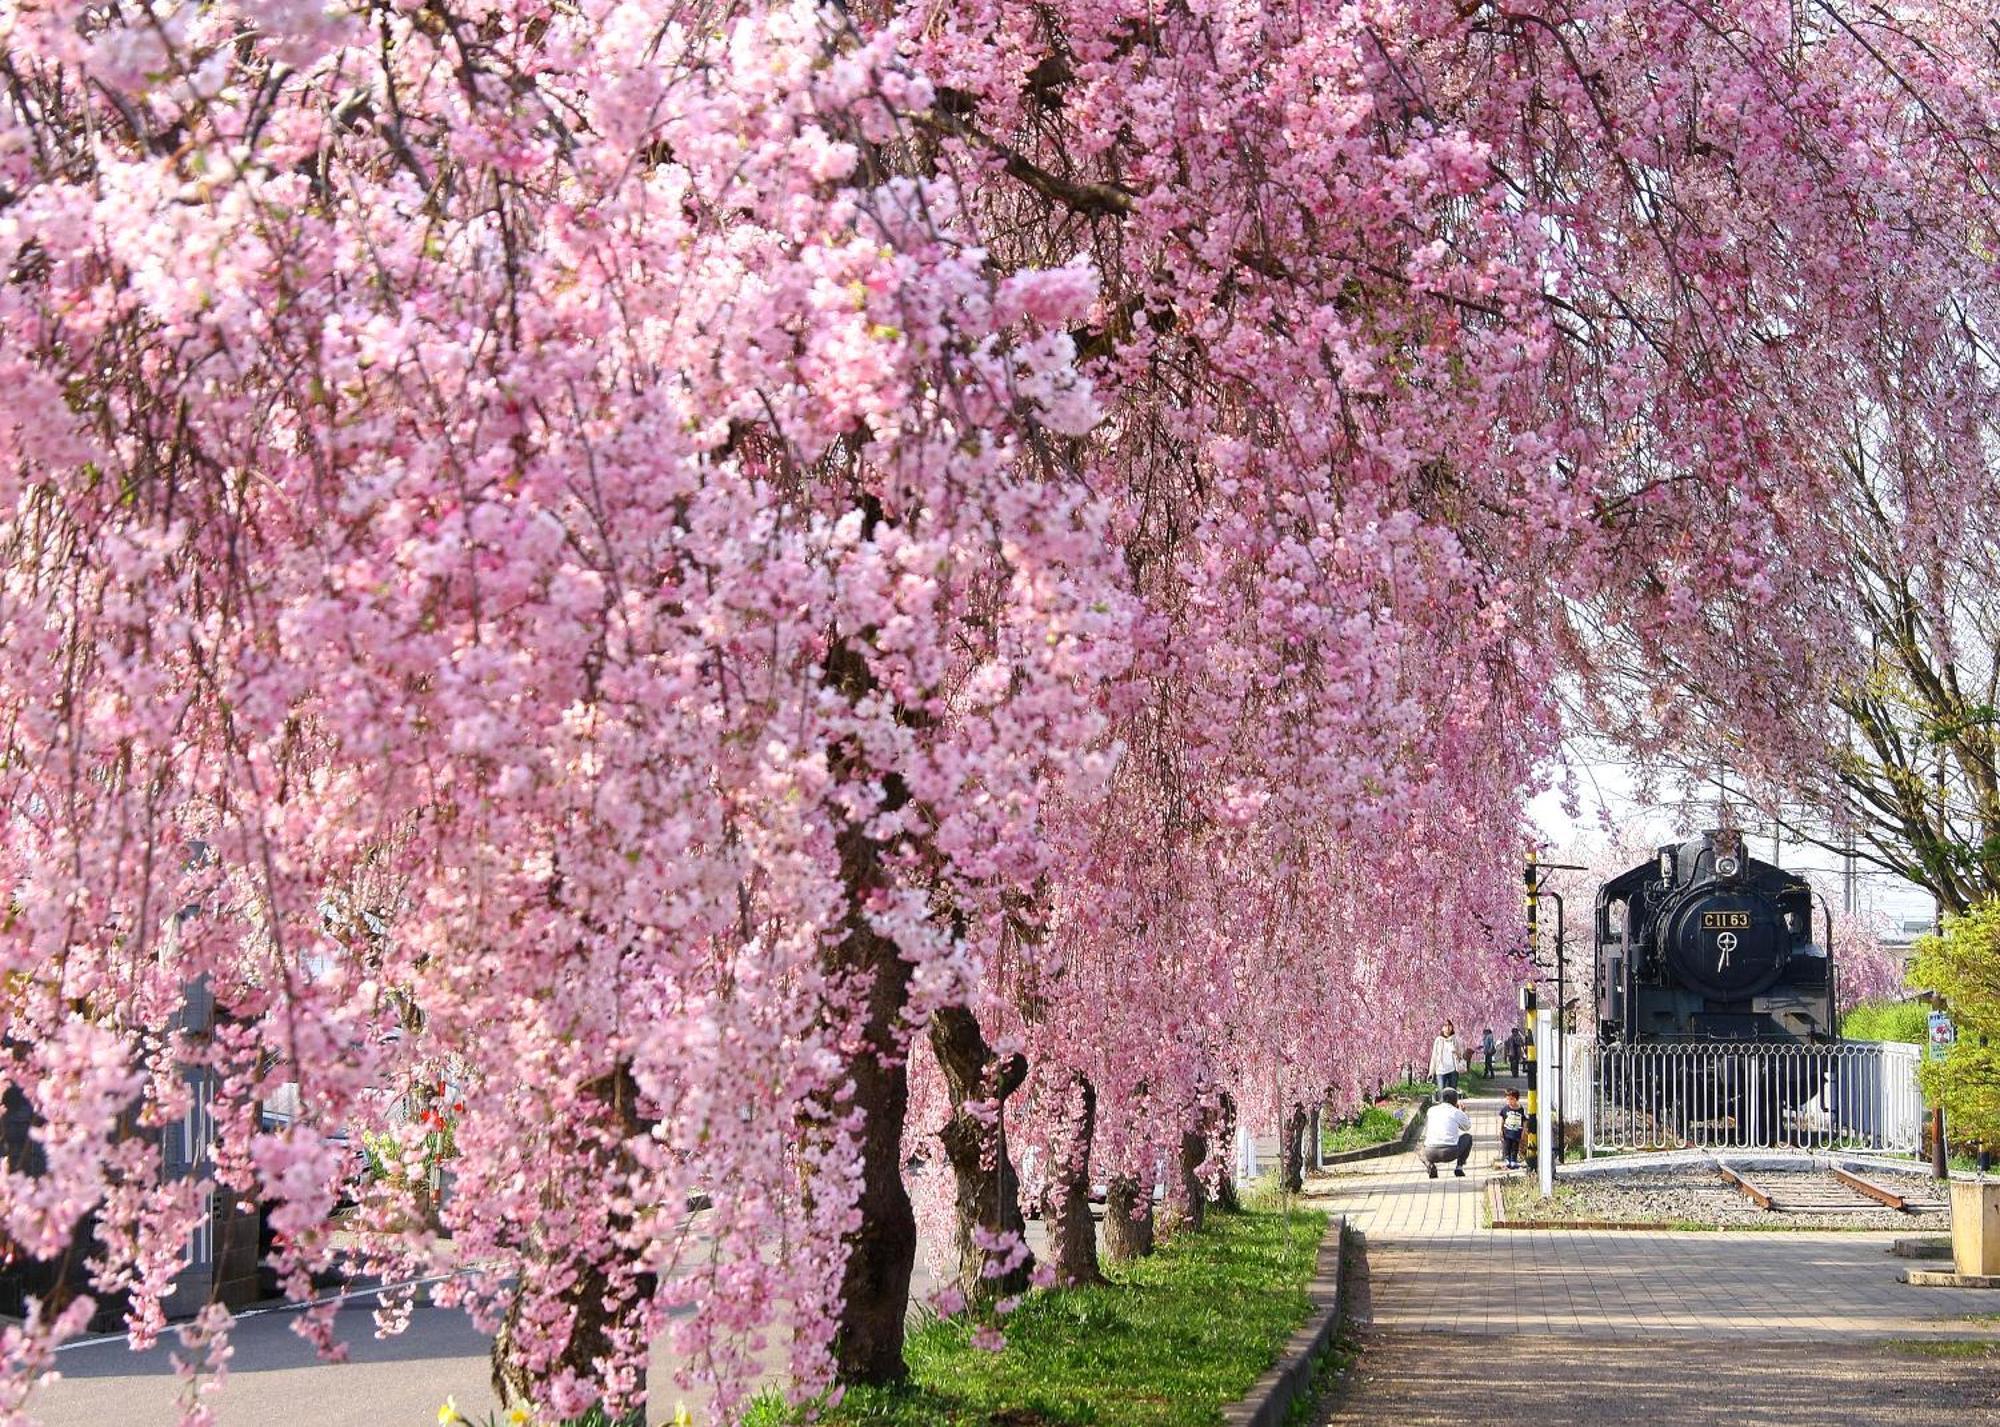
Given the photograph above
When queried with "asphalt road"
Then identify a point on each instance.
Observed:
(276, 1379)
(275, 1376)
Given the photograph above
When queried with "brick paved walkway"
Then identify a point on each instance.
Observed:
(1430, 1380)
(1660, 1327)
(1433, 1268)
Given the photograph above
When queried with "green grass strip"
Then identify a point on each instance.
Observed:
(1173, 1340)
(1373, 1126)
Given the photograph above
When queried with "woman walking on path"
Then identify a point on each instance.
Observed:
(1446, 1061)
(1514, 1051)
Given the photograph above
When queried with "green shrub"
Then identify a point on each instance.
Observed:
(1963, 966)
(1887, 1021)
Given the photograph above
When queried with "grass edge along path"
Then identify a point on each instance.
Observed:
(1176, 1338)
(1371, 1125)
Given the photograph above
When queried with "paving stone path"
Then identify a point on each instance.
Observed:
(1421, 1379)
(1464, 1324)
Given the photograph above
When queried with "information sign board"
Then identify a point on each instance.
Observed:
(1941, 1035)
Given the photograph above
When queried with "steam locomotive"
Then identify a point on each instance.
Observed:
(1709, 944)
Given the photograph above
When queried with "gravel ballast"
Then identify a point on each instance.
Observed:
(1700, 1197)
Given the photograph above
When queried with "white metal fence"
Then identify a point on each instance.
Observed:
(1856, 1095)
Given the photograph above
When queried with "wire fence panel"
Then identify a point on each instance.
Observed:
(1856, 1095)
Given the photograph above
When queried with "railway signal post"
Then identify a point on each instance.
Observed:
(1530, 1137)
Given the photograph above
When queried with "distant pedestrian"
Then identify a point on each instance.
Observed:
(1447, 1135)
(1446, 1061)
(1513, 1125)
(1487, 1045)
(1514, 1051)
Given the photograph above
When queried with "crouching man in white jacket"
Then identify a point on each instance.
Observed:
(1447, 1135)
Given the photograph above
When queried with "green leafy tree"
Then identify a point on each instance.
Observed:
(1963, 966)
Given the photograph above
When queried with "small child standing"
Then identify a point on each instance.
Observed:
(1513, 1124)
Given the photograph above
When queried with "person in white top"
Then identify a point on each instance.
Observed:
(1447, 1135)
(1446, 1061)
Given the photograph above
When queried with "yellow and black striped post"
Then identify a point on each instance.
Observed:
(1533, 877)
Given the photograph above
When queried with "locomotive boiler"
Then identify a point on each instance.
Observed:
(1706, 943)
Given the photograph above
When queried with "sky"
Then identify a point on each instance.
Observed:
(1609, 785)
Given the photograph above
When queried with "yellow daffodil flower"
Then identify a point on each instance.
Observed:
(519, 1416)
(449, 1413)
(682, 1417)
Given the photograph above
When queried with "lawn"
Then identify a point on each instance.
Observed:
(1175, 1338)
(1375, 1126)
(1470, 1083)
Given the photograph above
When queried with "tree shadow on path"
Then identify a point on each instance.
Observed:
(1410, 1379)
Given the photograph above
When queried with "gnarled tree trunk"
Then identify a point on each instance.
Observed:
(1186, 1205)
(882, 1247)
(989, 1193)
(597, 1305)
(1292, 1172)
(599, 1300)
(1128, 1219)
(1066, 1202)
(1225, 1140)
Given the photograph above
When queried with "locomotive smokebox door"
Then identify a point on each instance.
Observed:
(1726, 944)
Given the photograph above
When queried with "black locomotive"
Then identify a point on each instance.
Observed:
(1708, 944)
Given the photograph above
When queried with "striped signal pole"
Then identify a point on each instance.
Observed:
(1534, 881)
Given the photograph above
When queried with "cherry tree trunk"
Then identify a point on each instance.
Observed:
(882, 1247)
(596, 1306)
(988, 1196)
(1186, 1205)
(1128, 1219)
(1292, 1173)
(1066, 1203)
(1225, 1141)
(600, 1298)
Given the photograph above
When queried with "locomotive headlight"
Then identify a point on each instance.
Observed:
(1666, 867)
(1726, 867)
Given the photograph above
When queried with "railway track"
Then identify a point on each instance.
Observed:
(1828, 1193)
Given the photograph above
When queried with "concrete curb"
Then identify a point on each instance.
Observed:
(1621, 1225)
(1925, 1278)
(1271, 1397)
(1926, 1246)
(1387, 1147)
